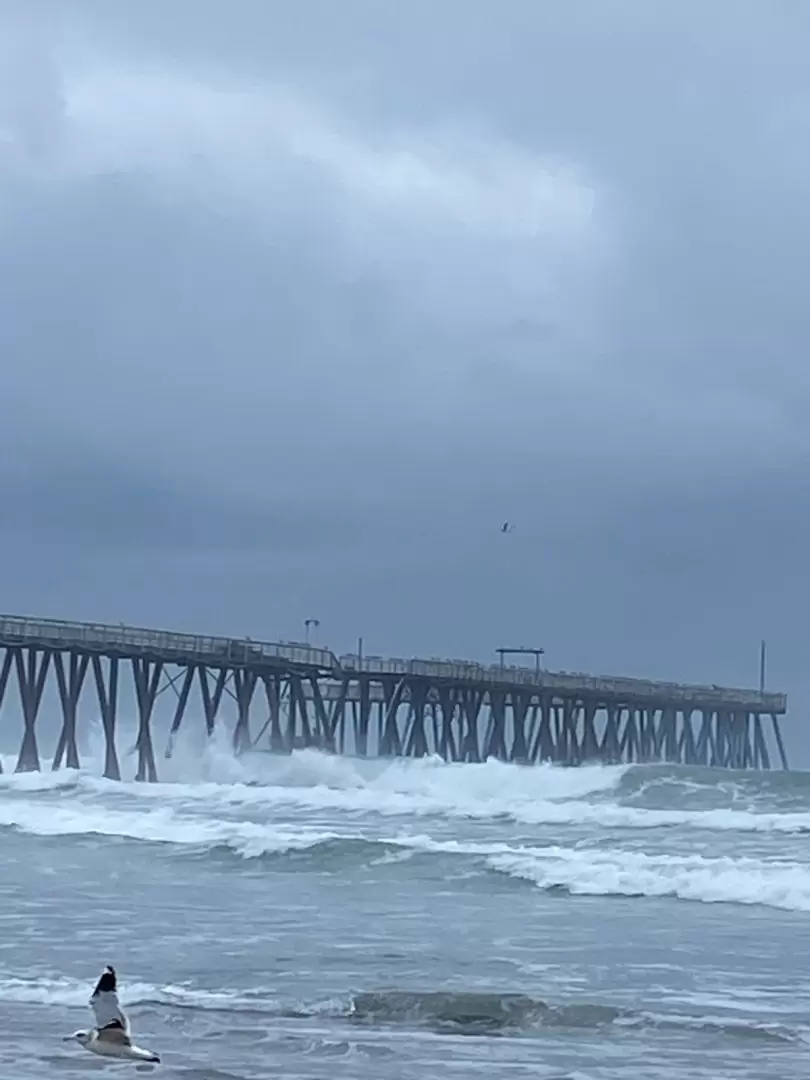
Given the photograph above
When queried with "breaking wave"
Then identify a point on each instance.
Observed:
(632, 831)
(598, 872)
(581, 869)
(616, 797)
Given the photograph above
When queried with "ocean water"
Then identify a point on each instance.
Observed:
(329, 918)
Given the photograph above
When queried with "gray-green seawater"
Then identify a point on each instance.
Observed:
(322, 917)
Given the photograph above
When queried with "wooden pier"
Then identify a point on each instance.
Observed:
(283, 696)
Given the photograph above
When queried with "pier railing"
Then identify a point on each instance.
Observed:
(564, 682)
(134, 640)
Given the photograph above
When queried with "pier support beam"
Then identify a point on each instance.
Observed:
(324, 738)
(362, 719)
(5, 671)
(590, 743)
(245, 684)
(471, 702)
(520, 708)
(337, 719)
(211, 698)
(543, 749)
(390, 742)
(495, 739)
(763, 759)
(70, 687)
(107, 690)
(446, 747)
(609, 746)
(180, 708)
(298, 712)
(416, 739)
(686, 750)
(272, 690)
(31, 681)
(778, 736)
(147, 680)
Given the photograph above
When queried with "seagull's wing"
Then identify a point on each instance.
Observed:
(115, 1036)
(104, 1003)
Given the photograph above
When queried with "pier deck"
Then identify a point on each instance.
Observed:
(306, 696)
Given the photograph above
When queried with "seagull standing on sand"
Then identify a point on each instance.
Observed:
(110, 1037)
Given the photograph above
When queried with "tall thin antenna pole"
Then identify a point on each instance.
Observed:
(762, 667)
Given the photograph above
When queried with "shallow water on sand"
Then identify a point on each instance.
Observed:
(314, 916)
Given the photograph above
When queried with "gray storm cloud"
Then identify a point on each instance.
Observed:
(297, 308)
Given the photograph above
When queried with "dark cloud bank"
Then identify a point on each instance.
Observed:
(300, 302)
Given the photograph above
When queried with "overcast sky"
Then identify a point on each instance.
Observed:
(300, 302)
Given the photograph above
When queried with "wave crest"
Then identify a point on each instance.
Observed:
(614, 797)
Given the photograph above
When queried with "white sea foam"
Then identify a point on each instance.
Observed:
(73, 993)
(263, 804)
(311, 781)
(590, 871)
(161, 825)
(315, 781)
(212, 762)
(585, 871)
(581, 869)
